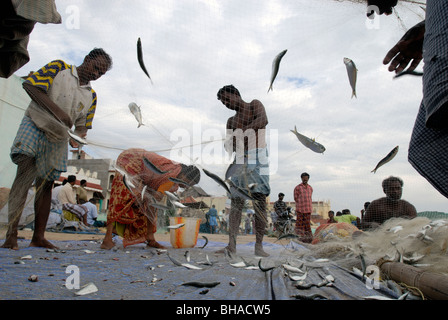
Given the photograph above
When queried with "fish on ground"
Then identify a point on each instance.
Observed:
(140, 58)
(135, 110)
(352, 74)
(275, 67)
(309, 143)
(152, 166)
(198, 284)
(386, 159)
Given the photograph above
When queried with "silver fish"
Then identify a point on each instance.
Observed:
(179, 181)
(292, 269)
(309, 143)
(128, 184)
(190, 266)
(234, 169)
(87, 289)
(172, 196)
(159, 206)
(352, 74)
(407, 72)
(178, 204)
(237, 192)
(217, 179)
(76, 137)
(152, 166)
(140, 58)
(135, 110)
(143, 192)
(206, 241)
(176, 226)
(386, 159)
(276, 66)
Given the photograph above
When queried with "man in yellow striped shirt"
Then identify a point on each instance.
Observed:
(61, 98)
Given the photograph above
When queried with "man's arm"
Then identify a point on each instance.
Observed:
(42, 99)
(408, 50)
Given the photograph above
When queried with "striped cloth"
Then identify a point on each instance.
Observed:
(427, 149)
(51, 157)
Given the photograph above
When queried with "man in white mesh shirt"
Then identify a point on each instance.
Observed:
(61, 98)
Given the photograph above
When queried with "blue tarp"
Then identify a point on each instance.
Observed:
(138, 272)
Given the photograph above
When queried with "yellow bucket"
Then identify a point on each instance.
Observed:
(186, 236)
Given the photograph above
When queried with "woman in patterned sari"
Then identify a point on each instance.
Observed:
(130, 214)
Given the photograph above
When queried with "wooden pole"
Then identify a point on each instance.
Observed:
(432, 285)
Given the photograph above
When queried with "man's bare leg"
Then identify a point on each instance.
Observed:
(17, 197)
(236, 208)
(42, 205)
(260, 223)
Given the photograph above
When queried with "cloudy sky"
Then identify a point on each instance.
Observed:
(194, 47)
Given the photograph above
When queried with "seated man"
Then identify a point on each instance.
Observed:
(390, 206)
(347, 217)
(67, 198)
(92, 214)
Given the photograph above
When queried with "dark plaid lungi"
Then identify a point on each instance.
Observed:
(427, 149)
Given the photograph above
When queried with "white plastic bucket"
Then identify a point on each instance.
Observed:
(186, 236)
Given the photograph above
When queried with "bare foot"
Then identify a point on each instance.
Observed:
(260, 252)
(154, 244)
(228, 249)
(11, 244)
(44, 243)
(107, 244)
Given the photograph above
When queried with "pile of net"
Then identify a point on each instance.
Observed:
(419, 242)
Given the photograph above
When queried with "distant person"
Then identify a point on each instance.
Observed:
(280, 206)
(390, 206)
(303, 193)
(347, 217)
(81, 192)
(92, 214)
(212, 219)
(331, 217)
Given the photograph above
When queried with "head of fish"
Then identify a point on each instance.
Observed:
(347, 61)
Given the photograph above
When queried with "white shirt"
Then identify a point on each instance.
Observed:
(92, 212)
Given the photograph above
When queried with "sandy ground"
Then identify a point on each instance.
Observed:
(55, 236)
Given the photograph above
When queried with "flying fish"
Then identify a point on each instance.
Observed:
(309, 143)
(140, 58)
(386, 159)
(275, 67)
(352, 74)
(135, 110)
